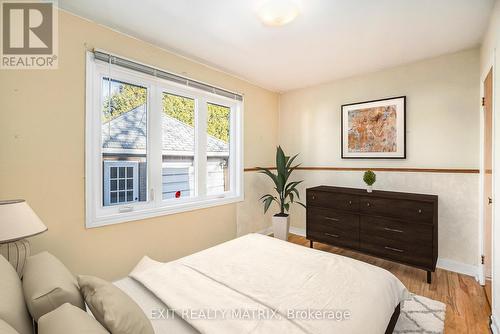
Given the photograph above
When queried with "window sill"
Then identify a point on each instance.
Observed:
(145, 213)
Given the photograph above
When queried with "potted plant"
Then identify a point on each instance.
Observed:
(287, 192)
(369, 177)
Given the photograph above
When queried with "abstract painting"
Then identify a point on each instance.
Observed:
(374, 129)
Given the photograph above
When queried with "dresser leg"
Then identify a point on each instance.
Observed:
(310, 244)
(429, 277)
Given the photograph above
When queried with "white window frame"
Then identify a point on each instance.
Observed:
(99, 215)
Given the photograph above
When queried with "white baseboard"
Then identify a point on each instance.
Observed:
(495, 328)
(458, 267)
(298, 231)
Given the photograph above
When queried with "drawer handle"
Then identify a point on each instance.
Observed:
(419, 211)
(333, 219)
(350, 202)
(393, 230)
(394, 249)
(313, 196)
(368, 204)
(332, 235)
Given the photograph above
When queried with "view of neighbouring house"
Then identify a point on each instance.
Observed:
(124, 141)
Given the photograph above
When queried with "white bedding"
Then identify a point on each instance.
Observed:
(150, 304)
(257, 275)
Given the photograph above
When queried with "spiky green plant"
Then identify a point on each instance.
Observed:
(369, 177)
(287, 191)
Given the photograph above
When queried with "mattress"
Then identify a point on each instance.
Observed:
(282, 287)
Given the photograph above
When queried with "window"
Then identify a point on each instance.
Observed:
(121, 180)
(156, 147)
(178, 152)
(123, 141)
(218, 153)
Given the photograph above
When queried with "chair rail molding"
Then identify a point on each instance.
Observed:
(380, 169)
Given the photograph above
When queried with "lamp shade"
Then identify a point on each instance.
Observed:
(18, 221)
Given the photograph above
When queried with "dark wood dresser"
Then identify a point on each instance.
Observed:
(401, 227)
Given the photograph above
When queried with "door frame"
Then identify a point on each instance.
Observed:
(481, 271)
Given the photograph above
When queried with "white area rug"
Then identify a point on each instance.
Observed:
(421, 315)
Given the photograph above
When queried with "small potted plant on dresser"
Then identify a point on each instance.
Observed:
(369, 177)
(287, 193)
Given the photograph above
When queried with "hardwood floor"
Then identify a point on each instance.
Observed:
(467, 309)
(487, 290)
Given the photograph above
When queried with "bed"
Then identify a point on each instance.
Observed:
(282, 287)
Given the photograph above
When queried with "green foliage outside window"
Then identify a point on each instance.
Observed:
(218, 122)
(180, 108)
(125, 97)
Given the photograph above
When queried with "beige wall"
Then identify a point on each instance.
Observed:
(491, 41)
(442, 120)
(442, 132)
(490, 55)
(42, 157)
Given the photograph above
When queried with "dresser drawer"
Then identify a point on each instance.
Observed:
(333, 200)
(332, 218)
(334, 237)
(398, 208)
(333, 227)
(397, 230)
(402, 251)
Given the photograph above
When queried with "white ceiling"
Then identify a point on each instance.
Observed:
(330, 39)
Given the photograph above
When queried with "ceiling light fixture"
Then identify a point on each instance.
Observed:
(278, 12)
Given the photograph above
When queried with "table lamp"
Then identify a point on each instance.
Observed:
(17, 222)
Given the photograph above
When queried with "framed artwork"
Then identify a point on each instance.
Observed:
(374, 129)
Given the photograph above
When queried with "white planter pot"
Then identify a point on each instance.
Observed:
(369, 189)
(281, 226)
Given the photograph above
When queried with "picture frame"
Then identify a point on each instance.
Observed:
(374, 129)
